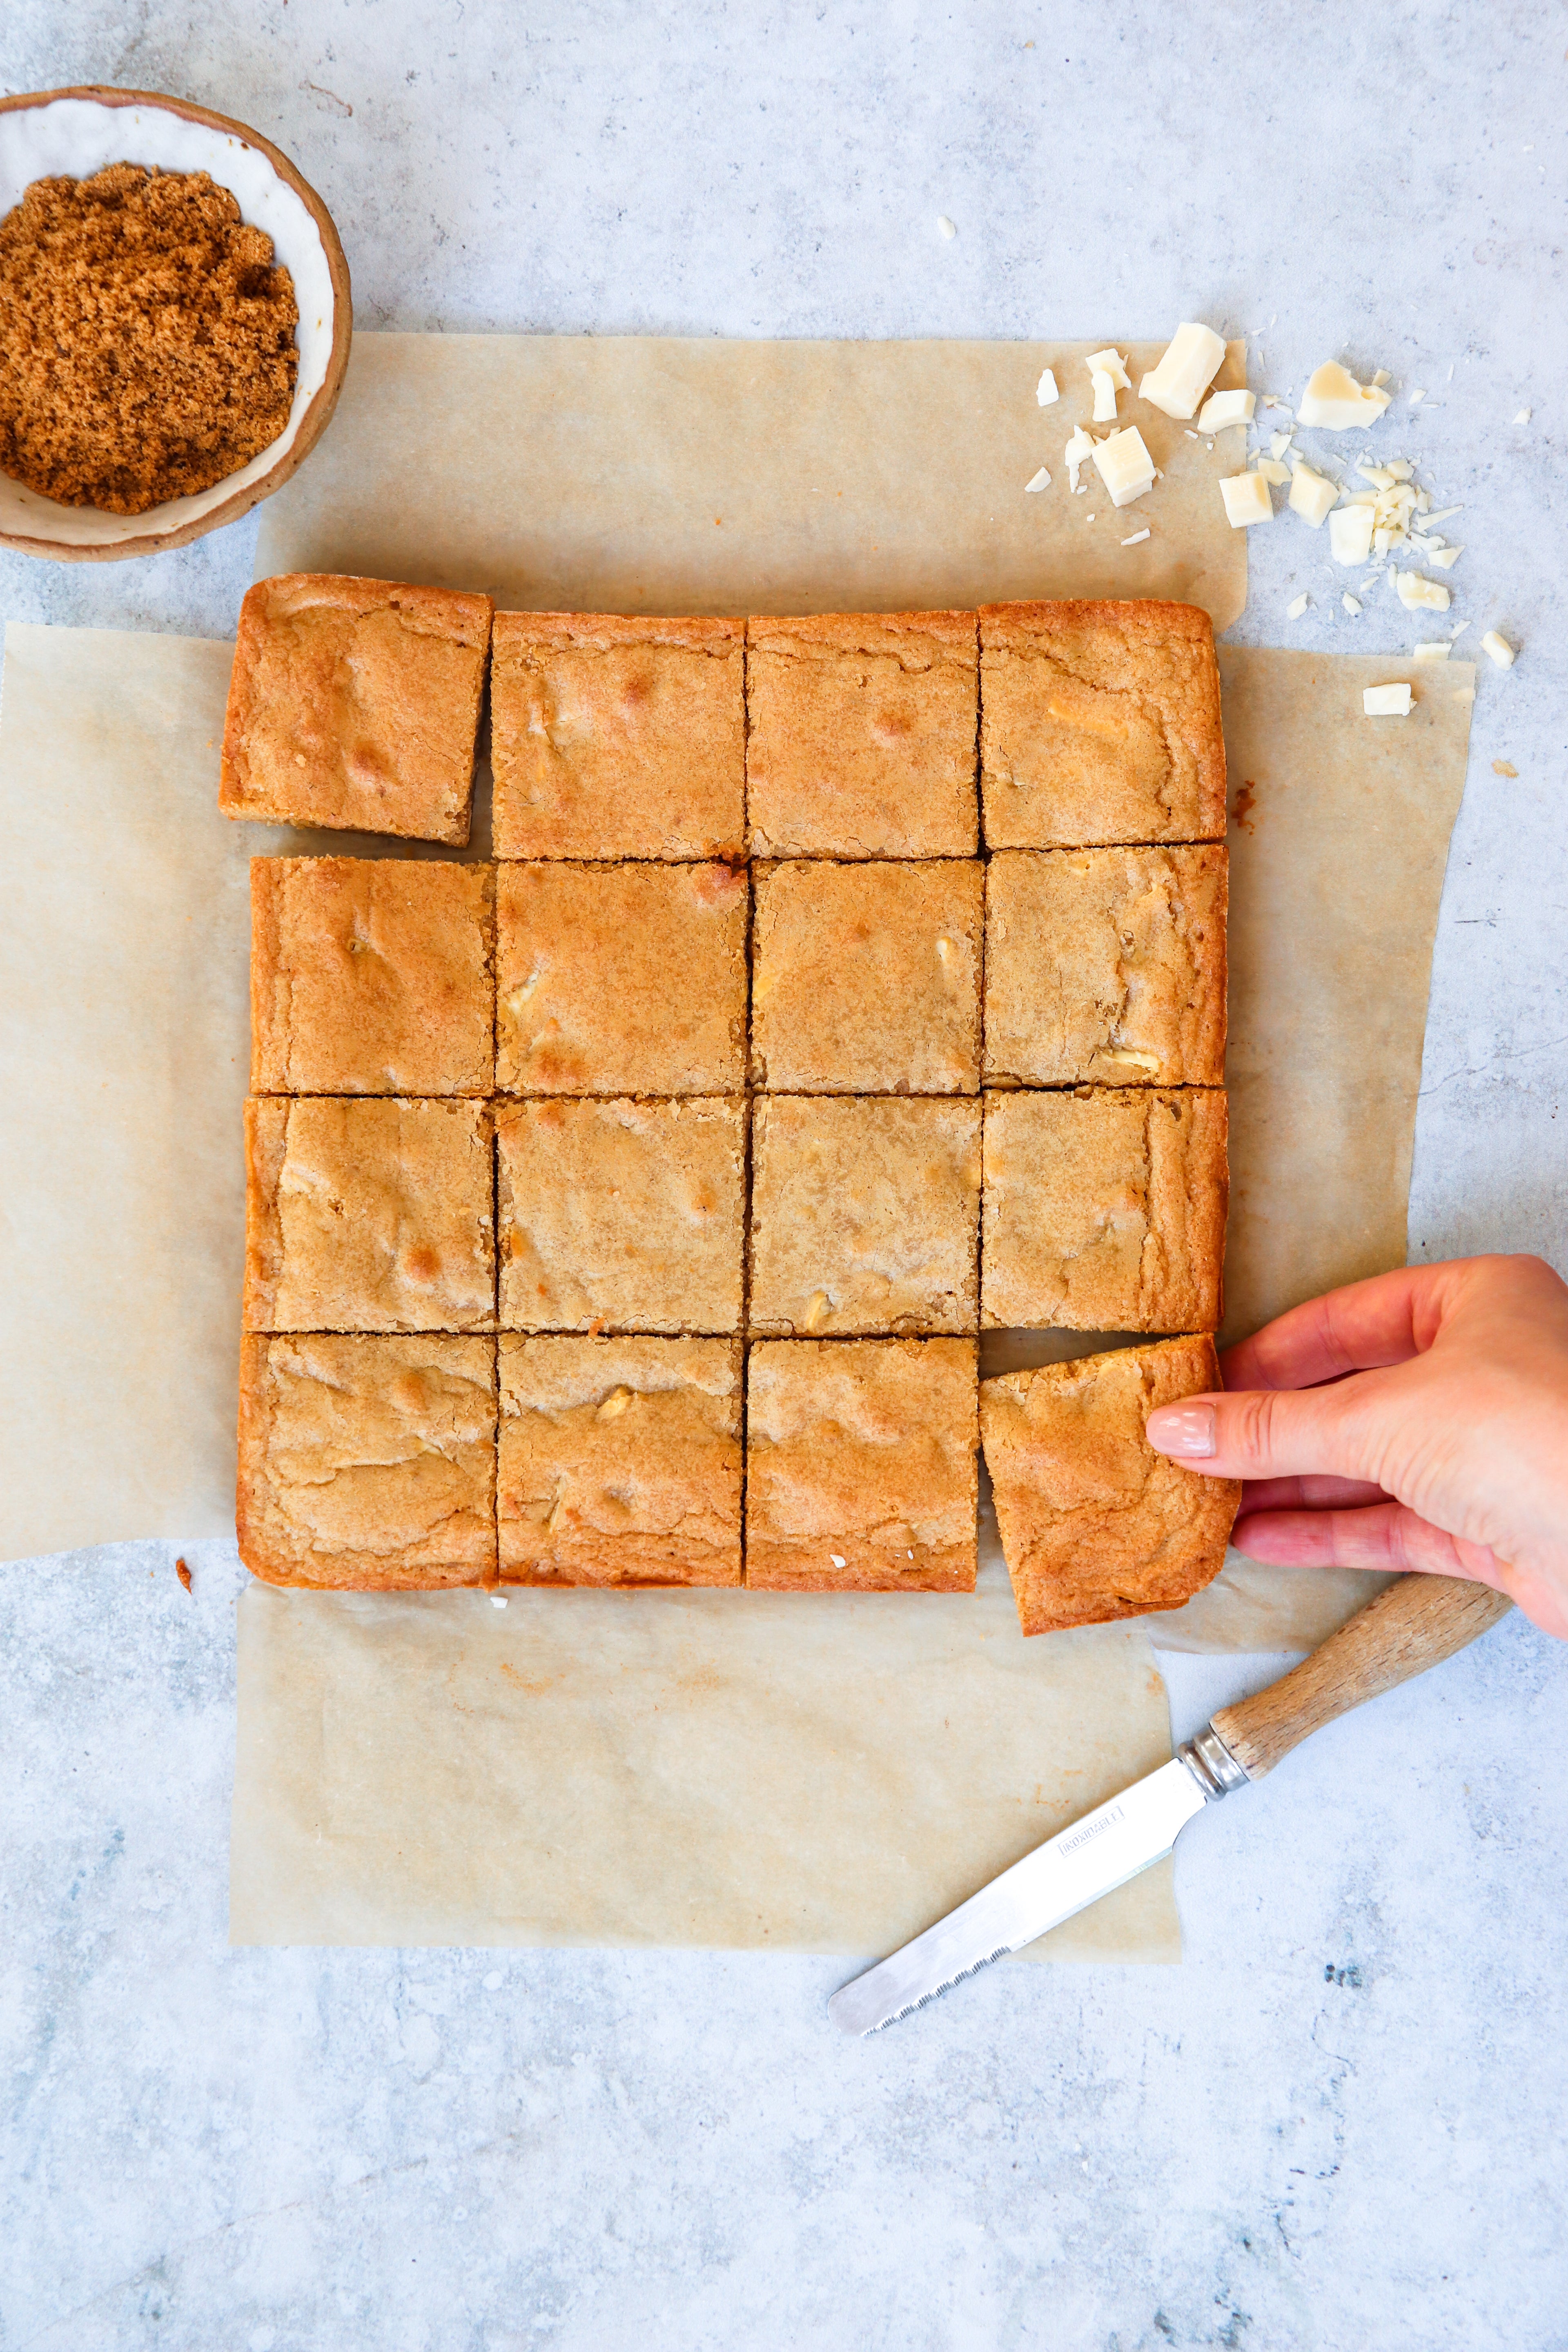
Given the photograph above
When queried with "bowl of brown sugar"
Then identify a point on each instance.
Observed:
(174, 322)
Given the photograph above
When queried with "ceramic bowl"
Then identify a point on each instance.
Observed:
(73, 134)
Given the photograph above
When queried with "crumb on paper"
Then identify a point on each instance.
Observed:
(1504, 768)
(497, 1600)
(1386, 701)
(1464, 693)
(1497, 647)
(1524, 417)
(837, 1557)
(1137, 535)
(1241, 808)
(1293, 612)
(1416, 396)
(1046, 391)
(1041, 481)
(183, 1573)
(946, 227)
(1380, 378)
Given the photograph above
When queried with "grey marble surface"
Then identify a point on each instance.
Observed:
(1341, 2124)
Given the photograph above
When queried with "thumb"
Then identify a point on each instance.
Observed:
(1269, 1433)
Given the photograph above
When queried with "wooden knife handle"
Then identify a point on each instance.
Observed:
(1414, 1623)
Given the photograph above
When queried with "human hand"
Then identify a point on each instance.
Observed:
(1416, 1420)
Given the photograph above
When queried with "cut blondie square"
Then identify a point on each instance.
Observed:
(1104, 1210)
(862, 734)
(1106, 966)
(368, 1214)
(865, 1215)
(866, 978)
(367, 1462)
(1095, 1524)
(619, 979)
(860, 1465)
(621, 1216)
(355, 703)
(371, 976)
(1100, 722)
(620, 1461)
(615, 738)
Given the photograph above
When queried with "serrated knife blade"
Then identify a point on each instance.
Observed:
(1074, 1868)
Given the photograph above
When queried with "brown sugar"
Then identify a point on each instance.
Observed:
(146, 339)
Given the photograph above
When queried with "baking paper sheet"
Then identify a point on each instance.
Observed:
(646, 474)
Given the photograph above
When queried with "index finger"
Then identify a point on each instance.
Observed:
(1353, 1329)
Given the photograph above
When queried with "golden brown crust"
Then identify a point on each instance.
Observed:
(866, 978)
(620, 980)
(620, 1461)
(1096, 1525)
(371, 976)
(368, 1463)
(861, 735)
(865, 1216)
(1105, 1211)
(1100, 722)
(621, 1215)
(355, 703)
(368, 1214)
(860, 1465)
(1106, 966)
(617, 738)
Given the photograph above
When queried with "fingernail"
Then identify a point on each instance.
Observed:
(1183, 1429)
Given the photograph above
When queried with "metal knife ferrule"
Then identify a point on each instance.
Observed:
(1212, 1764)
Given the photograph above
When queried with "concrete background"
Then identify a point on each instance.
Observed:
(1341, 2124)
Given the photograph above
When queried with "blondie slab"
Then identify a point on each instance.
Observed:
(620, 1461)
(865, 1215)
(1100, 724)
(862, 735)
(1096, 1525)
(621, 1216)
(866, 978)
(367, 1462)
(620, 980)
(368, 1215)
(371, 976)
(1105, 1212)
(615, 738)
(355, 703)
(860, 1465)
(1106, 965)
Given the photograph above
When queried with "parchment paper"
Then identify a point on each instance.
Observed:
(647, 474)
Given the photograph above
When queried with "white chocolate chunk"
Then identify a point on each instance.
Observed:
(1431, 649)
(1277, 445)
(1447, 557)
(1124, 465)
(1312, 495)
(1245, 500)
(1222, 408)
(1523, 417)
(1273, 471)
(1104, 396)
(1464, 693)
(1046, 391)
(1334, 400)
(1192, 360)
(1349, 533)
(1501, 652)
(1351, 604)
(1293, 612)
(945, 225)
(1111, 364)
(1136, 537)
(1386, 701)
(1041, 481)
(1419, 596)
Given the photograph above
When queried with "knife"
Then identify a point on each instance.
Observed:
(1412, 1625)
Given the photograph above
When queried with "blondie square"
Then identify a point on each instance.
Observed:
(865, 1215)
(860, 1465)
(615, 738)
(371, 976)
(620, 1461)
(1105, 1211)
(620, 980)
(862, 735)
(367, 1462)
(1106, 966)
(866, 979)
(368, 1214)
(1096, 1525)
(1100, 724)
(621, 1216)
(355, 703)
